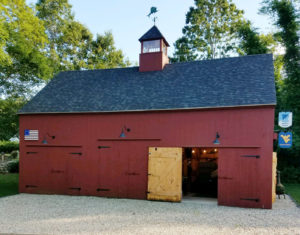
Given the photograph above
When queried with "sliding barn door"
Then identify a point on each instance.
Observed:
(165, 174)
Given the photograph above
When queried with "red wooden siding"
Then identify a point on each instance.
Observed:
(120, 170)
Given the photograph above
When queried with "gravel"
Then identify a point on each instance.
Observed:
(53, 214)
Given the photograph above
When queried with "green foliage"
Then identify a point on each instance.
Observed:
(289, 166)
(9, 184)
(14, 154)
(9, 118)
(290, 175)
(71, 45)
(67, 37)
(13, 166)
(8, 146)
(23, 62)
(286, 17)
(294, 191)
(251, 42)
(102, 54)
(210, 30)
(184, 51)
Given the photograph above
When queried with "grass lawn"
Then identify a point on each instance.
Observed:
(9, 184)
(294, 191)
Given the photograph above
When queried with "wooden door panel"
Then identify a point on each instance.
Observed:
(165, 174)
(137, 170)
(227, 194)
(74, 173)
(106, 172)
(56, 174)
(121, 169)
(248, 173)
(238, 177)
(112, 167)
(32, 175)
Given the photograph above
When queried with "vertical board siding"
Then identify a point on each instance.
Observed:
(123, 168)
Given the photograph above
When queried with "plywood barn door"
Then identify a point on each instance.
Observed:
(165, 174)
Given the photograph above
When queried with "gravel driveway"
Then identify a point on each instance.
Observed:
(52, 214)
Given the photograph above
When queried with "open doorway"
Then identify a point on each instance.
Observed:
(200, 172)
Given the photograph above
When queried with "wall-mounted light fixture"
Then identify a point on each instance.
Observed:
(217, 139)
(45, 139)
(124, 128)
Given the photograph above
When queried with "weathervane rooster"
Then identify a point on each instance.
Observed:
(153, 10)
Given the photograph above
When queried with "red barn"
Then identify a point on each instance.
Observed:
(157, 131)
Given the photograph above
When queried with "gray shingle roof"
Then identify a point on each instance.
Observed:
(153, 34)
(240, 81)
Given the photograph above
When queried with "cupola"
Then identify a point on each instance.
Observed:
(154, 51)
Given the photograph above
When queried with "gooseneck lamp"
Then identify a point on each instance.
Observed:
(217, 139)
(45, 139)
(124, 128)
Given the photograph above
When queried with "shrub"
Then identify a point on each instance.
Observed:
(13, 166)
(8, 146)
(14, 154)
(290, 174)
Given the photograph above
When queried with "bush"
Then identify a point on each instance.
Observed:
(8, 146)
(13, 166)
(14, 154)
(290, 174)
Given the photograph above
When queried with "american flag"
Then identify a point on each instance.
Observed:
(31, 135)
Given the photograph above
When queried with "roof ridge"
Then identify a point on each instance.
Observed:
(224, 58)
(87, 70)
(183, 62)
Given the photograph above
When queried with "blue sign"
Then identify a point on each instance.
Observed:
(285, 139)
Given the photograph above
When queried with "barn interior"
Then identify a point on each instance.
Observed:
(200, 172)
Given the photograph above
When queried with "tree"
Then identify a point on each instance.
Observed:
(67, 37)
(210, 31)
(23, 62)
(4, 34)
(251, 42)
(286, 17)
(102, 53)
(71, 45)
(184, 51)
(9, 118)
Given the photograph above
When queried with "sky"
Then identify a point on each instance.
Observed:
(127, 20)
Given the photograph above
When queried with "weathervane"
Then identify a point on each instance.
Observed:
(153, 10)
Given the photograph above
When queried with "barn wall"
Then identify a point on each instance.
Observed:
(114, 167)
